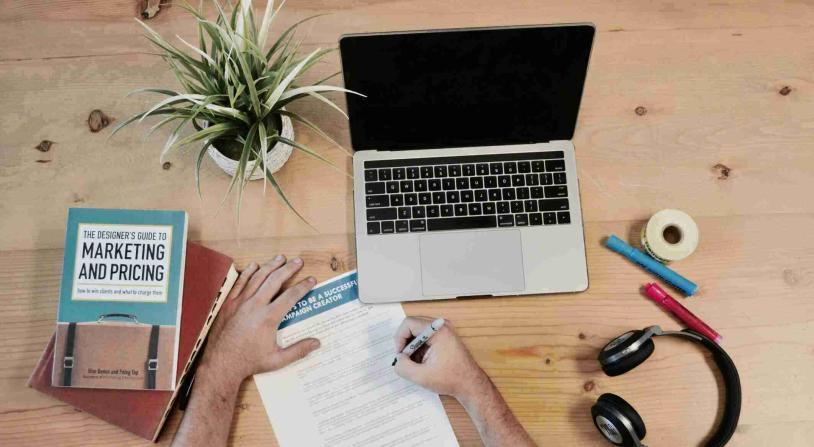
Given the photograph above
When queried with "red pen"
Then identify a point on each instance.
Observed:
(660, 297)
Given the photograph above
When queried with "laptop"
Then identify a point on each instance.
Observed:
(465, 178)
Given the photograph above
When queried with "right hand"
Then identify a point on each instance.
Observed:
(446, 366)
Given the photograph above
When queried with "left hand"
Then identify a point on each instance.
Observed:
(243, 339)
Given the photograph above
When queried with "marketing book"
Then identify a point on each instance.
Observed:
(208, 278)
(120, 299)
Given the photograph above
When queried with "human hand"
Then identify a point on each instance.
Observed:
(243, 339)
(444, 365)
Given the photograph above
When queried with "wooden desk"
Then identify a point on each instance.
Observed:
(703, 108)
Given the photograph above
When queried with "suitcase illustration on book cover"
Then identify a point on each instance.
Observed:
(116, 351)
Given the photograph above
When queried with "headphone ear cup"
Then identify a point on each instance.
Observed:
(609, 424)
(626, 409)
(631, 360)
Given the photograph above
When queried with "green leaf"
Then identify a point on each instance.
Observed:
(268, 16)
(316, 89)
(172, 100)
(282, 39)
(234, 16)
(121, 125)
(139, 116)
(197, 51)
(273, 181)
(221, 12)
(228, 111)
(175, 134)
(328, 78)
(261, 133)
(201, 39)
(201, 155)
(243, 22)
(171, 50)
(241, 164)
(210, 132)
(191, 86)
(244, 158)
(255, 100)
(281, 87)
(308, 151)
(329, 102)
(170, 142)
(314, 127)
(154, 90)
(239, 90)
(321, 54)
(159, 125)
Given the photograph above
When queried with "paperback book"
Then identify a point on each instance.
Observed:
(120, 299)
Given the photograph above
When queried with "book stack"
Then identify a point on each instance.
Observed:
(136, 303)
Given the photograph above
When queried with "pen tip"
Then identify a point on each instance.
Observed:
(394, 362)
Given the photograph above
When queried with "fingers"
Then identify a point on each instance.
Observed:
(242, 280)
(260, 276)
(409, 328)
(275, 280)
(298, 350)
(290, 296)
(408, 369)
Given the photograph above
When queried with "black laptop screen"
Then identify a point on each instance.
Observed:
(470, 87)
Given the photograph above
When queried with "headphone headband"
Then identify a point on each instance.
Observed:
(624, 353)
(732, 387)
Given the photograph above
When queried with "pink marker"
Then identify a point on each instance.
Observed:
(660, 297)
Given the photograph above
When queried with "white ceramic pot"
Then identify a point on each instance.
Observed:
(276, 156)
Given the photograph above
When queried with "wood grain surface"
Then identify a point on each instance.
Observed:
(701, 106)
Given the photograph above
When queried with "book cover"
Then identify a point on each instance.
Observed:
(120, 299)
(209, 276)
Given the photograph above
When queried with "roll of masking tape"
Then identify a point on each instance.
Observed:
(670, 235)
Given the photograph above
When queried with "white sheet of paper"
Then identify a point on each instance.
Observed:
(346, 393)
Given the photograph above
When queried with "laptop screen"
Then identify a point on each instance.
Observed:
(465, 87)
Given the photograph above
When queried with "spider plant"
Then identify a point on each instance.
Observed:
(234, 90)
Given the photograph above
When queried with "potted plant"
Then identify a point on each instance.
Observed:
(234, 93)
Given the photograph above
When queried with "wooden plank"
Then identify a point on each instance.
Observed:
(100, 27)
(540, 351)
(708, 103)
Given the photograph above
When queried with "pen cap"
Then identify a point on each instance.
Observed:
(617, 245)
(654, 292)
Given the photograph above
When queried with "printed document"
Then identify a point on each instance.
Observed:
(346, 393)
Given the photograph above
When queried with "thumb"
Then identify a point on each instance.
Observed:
(410, 370)
(298, 350)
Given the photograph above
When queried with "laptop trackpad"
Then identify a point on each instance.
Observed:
(471, 263)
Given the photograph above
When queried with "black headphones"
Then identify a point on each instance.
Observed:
(616, 419)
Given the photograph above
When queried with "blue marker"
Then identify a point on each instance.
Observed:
(651, 265)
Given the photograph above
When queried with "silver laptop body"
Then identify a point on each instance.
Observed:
(420, 236)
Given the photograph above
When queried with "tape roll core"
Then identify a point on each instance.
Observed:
(670, 235)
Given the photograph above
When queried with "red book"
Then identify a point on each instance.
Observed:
(208, 277)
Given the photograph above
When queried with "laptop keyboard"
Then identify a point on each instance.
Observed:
(466, 192)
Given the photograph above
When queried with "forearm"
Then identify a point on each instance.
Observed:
(493, 418)
(209, 413)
